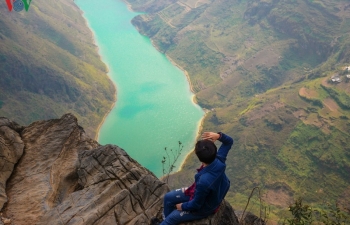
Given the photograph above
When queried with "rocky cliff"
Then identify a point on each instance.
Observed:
(51, 172)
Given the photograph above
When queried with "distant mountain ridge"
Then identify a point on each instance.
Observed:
(263, 69)
(49, 66)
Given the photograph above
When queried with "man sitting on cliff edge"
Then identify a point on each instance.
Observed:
(204, 196)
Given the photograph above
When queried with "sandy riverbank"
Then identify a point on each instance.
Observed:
(194, 100)
(103, 120)
(107, 72)
(200, 129)
(200, 123)
(128, 5)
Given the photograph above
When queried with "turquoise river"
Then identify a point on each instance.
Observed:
(154, 107)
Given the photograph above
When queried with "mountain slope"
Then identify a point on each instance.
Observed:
(263, 70)
(49, 66)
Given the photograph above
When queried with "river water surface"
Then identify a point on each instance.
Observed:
(154, 107)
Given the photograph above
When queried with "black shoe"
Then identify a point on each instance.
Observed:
(155, 221)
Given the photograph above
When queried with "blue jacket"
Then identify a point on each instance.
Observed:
(212, 183)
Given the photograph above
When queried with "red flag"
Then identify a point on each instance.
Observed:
(9, 4)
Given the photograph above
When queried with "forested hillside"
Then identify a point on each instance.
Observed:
(273, 74)
(49, 66)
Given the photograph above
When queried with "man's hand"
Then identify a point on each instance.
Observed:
(178, 206)
(210, 136)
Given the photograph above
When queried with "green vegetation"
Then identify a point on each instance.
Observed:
(315, 102)
(261, 68)
(169, 159)
(341, 97)
(49, 66)
(305, 215)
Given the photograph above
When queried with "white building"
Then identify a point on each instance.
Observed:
(336, 79)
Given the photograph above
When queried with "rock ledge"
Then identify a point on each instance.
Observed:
(51, 172)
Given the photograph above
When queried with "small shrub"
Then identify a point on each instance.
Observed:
(305, 215)
(302, 214)
(334, 216)
(168, 162)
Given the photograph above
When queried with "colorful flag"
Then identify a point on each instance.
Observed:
(18, 5)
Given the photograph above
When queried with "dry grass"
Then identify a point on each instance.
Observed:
(308, 93)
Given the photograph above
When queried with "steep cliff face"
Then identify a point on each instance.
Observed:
(11, 149)
(49, 66)
(51, 172)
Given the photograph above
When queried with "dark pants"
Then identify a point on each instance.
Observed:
(174, 216)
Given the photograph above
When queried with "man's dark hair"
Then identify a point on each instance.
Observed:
(205, 151)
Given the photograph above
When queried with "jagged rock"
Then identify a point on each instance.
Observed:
(11, 149)
(249, 218)
(6, 221)
(116, 190)
(46, 173)
(225, 216)
(64, 177)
